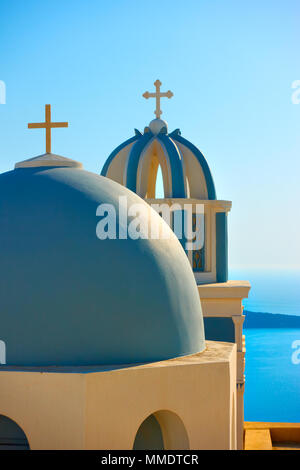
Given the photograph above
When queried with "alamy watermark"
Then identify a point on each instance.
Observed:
(139, 220)
(296, 93)
(296, 353)
(2, 92)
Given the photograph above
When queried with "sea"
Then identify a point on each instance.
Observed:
(272, 388)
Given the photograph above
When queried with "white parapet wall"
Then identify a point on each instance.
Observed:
(224, 301)
(193, 398)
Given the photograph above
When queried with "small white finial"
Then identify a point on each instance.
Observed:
(157, 125)
(158, 95)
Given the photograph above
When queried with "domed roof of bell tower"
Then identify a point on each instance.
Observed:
(185, 171)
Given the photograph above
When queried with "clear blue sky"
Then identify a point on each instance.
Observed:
(230, 65)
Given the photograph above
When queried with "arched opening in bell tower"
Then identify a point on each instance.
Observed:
(159, 184)
(154, 172)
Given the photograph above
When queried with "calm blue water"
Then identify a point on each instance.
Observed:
(272, 390)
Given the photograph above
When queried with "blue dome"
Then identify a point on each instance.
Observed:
(185, 171)
(68, 298)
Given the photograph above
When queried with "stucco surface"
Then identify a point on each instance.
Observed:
(192, 397)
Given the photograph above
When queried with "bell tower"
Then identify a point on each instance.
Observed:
(188, 186)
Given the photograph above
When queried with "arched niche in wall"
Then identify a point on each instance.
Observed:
(12, 436)
(162, 430)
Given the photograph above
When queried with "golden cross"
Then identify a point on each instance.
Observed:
(48, 125)
(158, 95)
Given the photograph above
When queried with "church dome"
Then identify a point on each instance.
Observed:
(185, 171)
(69, 298)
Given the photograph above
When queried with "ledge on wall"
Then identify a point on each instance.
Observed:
(271, 436)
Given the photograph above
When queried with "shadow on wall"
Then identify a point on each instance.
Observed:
(162, 430)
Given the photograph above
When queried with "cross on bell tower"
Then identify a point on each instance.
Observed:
(158, 95)
(48, 125)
